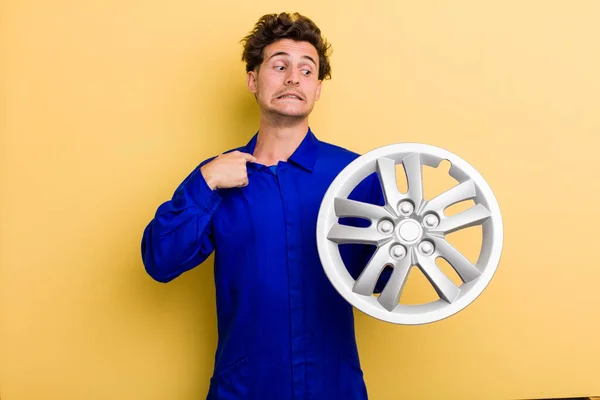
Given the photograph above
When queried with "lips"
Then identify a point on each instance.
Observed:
(290, 96)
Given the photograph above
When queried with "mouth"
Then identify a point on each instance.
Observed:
(289, 96)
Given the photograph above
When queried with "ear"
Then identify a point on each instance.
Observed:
(318, 90)
(252, 81)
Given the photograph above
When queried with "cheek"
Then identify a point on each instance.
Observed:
(312, 93)
(266, 89)
(268, 80)
(262, 90)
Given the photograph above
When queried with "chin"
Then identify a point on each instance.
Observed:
(291, 113)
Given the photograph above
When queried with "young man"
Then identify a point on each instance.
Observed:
(284, 332)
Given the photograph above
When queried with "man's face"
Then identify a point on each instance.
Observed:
(287, 82)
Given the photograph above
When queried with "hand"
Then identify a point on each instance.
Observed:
(227, 170)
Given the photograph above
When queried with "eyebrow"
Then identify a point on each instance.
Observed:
(283, 53)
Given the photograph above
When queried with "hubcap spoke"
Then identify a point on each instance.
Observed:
(444, 287)
(463, 267)
(386, 170)
(414, 178)
(461, 192)
(352, 208)
(473, 216)
(342, 234)
(390, 296)
(365, 284)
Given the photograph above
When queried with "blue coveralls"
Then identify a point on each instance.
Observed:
(284, 333)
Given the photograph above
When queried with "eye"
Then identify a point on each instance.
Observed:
(279, 67)
(307, 72)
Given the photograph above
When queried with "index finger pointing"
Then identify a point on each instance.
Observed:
(249, 157)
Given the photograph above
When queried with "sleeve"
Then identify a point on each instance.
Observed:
(357, 256)
(180, 236)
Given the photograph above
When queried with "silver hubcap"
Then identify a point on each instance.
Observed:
(409, 231)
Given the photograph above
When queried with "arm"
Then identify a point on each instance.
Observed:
(179, 237)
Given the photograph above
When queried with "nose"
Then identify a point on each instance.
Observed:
(292, 77)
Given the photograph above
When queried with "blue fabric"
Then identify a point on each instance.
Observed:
(274, 169)
(284, 332)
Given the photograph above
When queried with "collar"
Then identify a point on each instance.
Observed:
(304, 156)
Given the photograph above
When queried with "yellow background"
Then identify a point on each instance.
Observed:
(107, 106)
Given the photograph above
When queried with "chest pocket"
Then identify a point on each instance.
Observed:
(234, 240)
(249, 234)
(232, 222)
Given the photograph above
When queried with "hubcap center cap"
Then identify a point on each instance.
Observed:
(409, 230)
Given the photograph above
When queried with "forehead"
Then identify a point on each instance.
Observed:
(293, 48)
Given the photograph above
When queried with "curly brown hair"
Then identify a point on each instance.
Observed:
(273, 27)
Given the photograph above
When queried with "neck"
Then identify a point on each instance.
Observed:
(277, 140)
